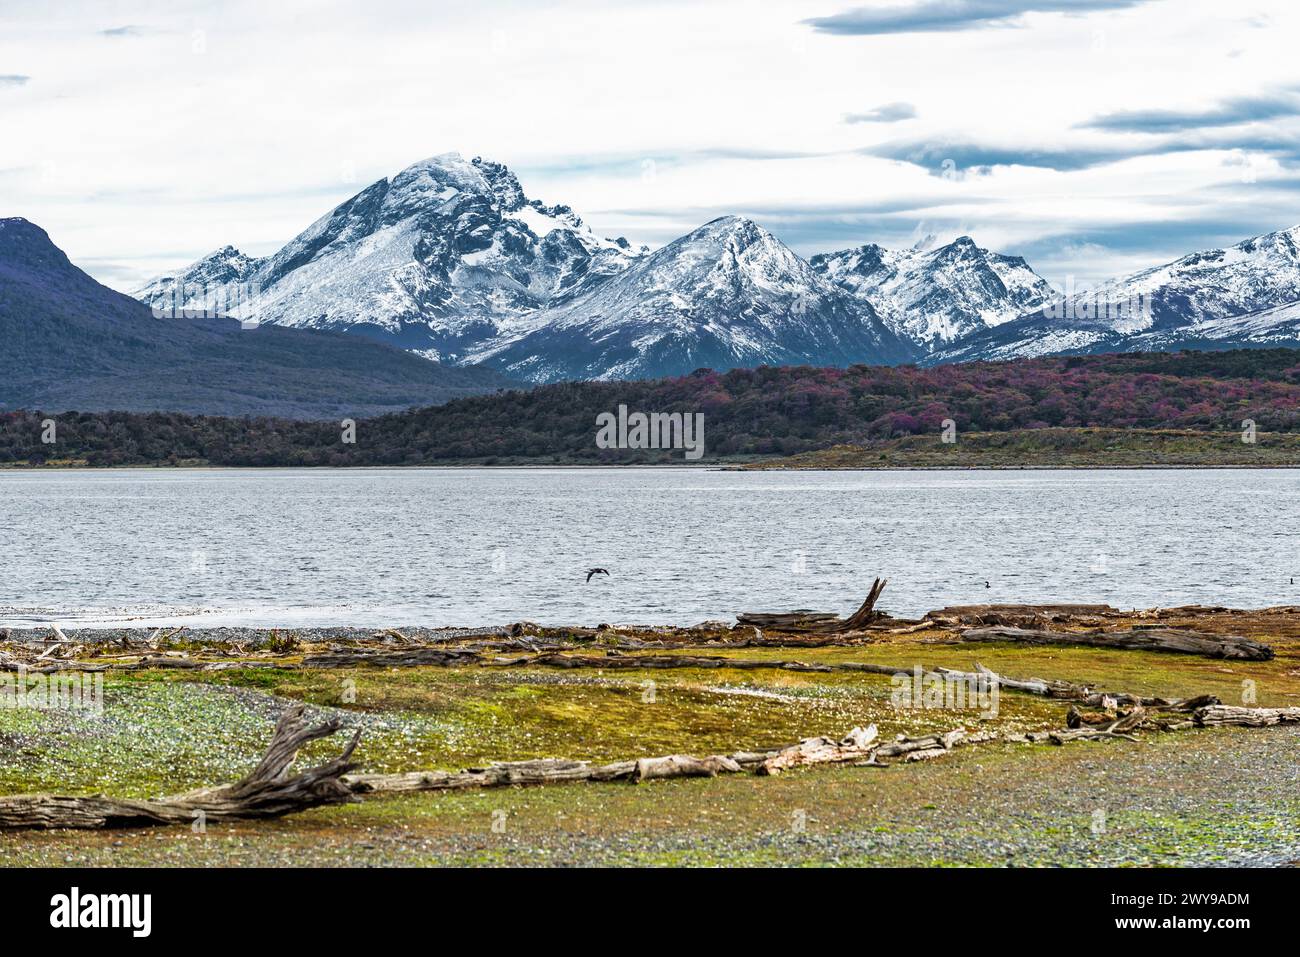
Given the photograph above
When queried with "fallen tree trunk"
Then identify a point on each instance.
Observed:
(1069, 691)
(1206, 712)
(858, 747)
(405, 658)
(1135, 639)
(1121, 727)
(866, 612)
(814, 622)
(1018, 615)
(268, 791)
(1222, 714)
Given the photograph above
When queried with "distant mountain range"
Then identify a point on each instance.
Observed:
(1244, 295)
(68, 343)
(451, 260)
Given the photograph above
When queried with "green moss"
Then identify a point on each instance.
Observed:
(168, 731)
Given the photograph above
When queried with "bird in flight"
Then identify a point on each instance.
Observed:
(595, 571)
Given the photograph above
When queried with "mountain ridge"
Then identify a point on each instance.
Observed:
(727, 295)
(1243, 295)
(72, 343)
(450, 259)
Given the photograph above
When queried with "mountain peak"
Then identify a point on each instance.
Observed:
(448, 160)
(1284, 241)
(1242, 294)
(728, 224)
(728, 294)
(931, 295)
(17, 226)
(25, 245)
(963, 247)
(444, 254)
(739, 231)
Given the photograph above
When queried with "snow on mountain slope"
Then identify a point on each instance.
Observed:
(935, 296)
(727, 295)
(199, 286)
(1241, 294)
(438, 258)
(450, 259)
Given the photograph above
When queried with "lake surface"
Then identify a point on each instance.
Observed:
(488, 546)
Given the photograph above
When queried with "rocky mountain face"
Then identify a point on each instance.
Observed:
(934, 296)
(70, 343)
(728, 295)
(443, 256)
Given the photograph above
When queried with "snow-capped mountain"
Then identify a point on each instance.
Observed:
(934, 296)
(450, 259)
(444, 255)
(1241, 295)
(728, 295)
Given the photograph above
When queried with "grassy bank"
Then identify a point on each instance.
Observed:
(1193, 797)
(1057, 448)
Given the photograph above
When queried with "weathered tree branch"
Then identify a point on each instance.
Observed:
(266, 792)
(813, 622)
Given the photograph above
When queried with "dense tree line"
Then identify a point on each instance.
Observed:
(751, 412)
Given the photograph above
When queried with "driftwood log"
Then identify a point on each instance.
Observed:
(269, 791)
(1134, 639)
(405, 658)
(858, 744)
(1018, 615)
(1205, 711)
(859, 747)
(821, 623)
(1216, 715)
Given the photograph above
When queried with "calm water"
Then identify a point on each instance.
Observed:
(492, 546)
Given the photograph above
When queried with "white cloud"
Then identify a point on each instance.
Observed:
(241, 122)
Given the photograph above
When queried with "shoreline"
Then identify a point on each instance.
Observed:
(430, 709)
(760, 466)
(257, 635)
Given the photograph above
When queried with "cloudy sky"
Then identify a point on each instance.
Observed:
(1093, 137)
